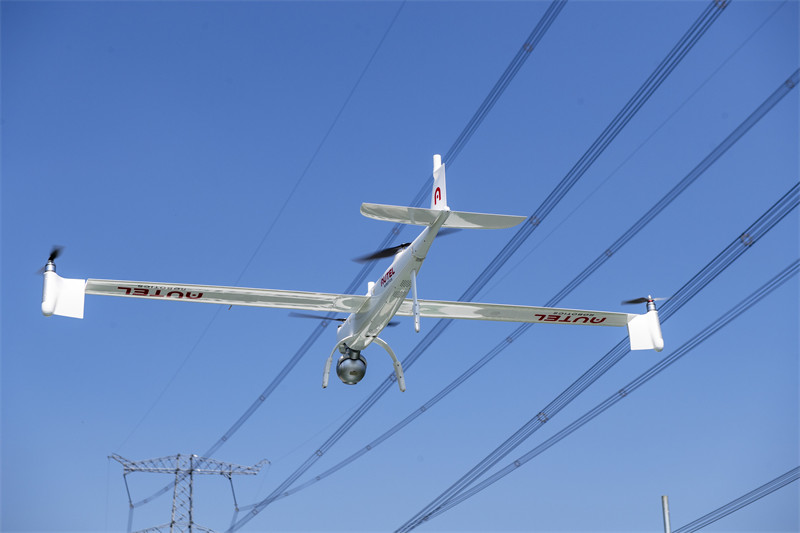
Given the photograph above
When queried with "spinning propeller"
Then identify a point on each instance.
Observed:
(337, 319)
(642, 300)
(380, 254)
(54, 253)
(392, 250)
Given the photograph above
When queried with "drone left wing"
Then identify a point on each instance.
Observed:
(65, 296)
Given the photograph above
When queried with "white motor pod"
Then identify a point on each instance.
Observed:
(49, 290)
(61, 296)
(644, 330)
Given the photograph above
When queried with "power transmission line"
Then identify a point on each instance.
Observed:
(287, 368)
(752, 496)
(527, 47)
(713, 269)
(272, 225)
(742, 243)
(649, 215)
(421, 196)
(716, 325)
(508, 75)
(499, 280)
(678, 52)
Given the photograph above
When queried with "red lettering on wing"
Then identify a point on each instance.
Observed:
(158, 293)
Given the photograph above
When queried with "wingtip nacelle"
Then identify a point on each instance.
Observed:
(62, 296)
(644, 332)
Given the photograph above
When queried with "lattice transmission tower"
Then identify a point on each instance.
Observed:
(184, 468)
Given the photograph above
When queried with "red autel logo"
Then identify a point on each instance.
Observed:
(569, 319)
(437, 195)
(387, 277)
(152, 292)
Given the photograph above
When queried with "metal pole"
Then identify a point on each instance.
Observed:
(665, 507)
(191, 492)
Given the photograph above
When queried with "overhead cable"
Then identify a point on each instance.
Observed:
(689, 39)
(777, 281)
(527, 47)
(742, 243)
(629, 110)
(649, 215)
(752, 496)
(577, 207)
(505, 79)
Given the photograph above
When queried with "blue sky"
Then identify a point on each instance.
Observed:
(160, 141)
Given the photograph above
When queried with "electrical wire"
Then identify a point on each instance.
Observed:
(320, 328)
(684, 45)
(508, 75)
(725, 258)
(527, 47)
(275, 219)
(650, 214)
(778, 280)
(752, 496)
(499, 279)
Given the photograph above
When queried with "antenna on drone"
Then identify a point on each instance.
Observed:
(184, 468)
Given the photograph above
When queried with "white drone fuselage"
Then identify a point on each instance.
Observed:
(388, 293)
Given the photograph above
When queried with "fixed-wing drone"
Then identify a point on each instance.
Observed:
(385, 298)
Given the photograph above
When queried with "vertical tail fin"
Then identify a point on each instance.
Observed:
(439, 197)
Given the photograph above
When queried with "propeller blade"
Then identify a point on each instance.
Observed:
(309, 315)
(636, 301)
(380, 254)
(317, 317)
(389, 252)
(641, 300)
(54, 253)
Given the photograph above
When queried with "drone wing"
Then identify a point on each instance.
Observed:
(644, 330)
(65, 296)
(514, 313)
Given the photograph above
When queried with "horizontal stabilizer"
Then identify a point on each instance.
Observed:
(420, 216)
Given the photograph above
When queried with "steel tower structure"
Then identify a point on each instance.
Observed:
(184, 468)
